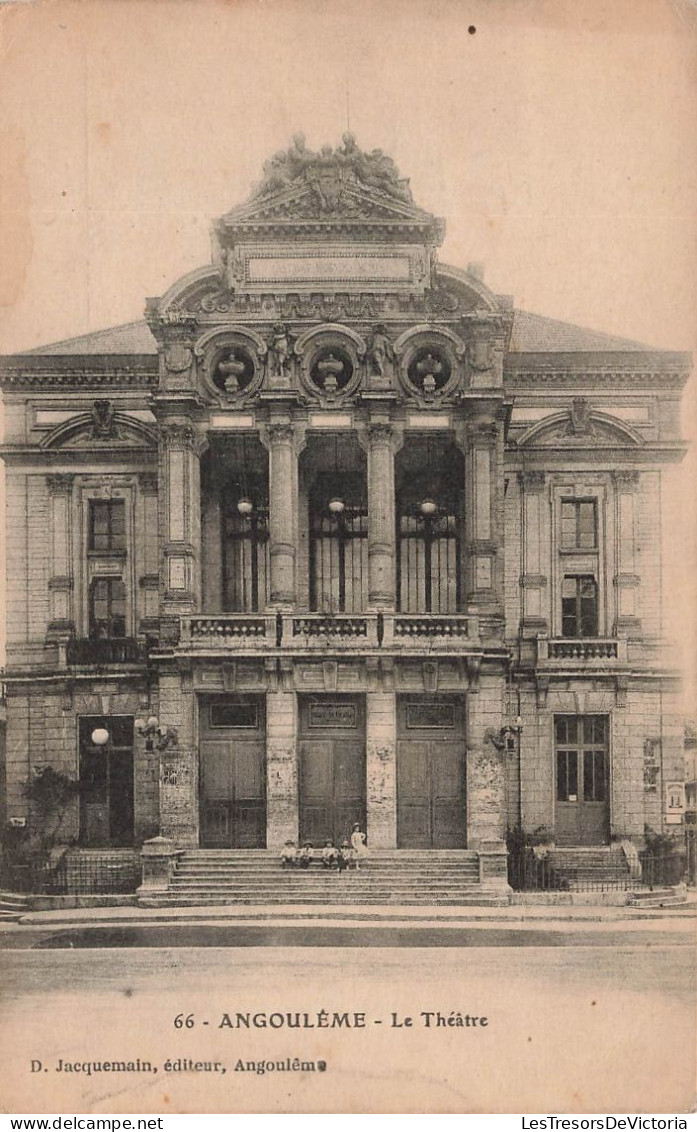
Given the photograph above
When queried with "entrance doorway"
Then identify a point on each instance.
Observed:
(332, 767)
(106, 782)
(233, 772)
(431, 773)
(583, 780)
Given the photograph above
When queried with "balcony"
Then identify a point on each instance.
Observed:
(346, 632)
(425, 632)
(105, 652)
(578, 653)
(284, 633)
(233, 632)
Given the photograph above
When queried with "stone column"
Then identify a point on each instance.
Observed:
(283, 495)
(381, 770)
(281, 768)
(483, 509)
(179, 493)
(381, 516)
(486, 780)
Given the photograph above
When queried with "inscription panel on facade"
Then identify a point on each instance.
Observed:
(333, 715)
(359, 268)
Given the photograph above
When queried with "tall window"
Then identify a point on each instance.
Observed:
(579, 606)
(107, 608)
(245, 554)
(107, 525)
(579, 524)
(338, 544)
(428, 560)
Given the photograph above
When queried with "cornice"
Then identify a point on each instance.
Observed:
(124, 372)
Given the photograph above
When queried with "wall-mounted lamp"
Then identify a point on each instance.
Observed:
(502, 739)
(155, 735)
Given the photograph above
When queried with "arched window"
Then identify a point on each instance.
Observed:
(107, 608)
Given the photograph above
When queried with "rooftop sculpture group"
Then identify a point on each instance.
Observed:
(331, 169)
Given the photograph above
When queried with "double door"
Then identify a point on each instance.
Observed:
(431, 773)
(332, 785)
(232, 795)
(583, 780)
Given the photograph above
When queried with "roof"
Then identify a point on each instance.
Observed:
(531, 334)
(131, 338)
(534, 334)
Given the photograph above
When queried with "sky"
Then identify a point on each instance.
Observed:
(558, 139)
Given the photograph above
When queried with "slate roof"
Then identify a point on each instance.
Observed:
(531, 334)
(131, 338)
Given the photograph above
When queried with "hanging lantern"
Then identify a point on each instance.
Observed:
(336, 506)
(245, 506)
(428, 507)
(100, 736)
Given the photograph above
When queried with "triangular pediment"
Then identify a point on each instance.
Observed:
(334, 186)
(304, 202)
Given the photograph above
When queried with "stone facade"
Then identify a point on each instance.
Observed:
(169, 546)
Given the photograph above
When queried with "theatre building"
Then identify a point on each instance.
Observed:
(336, 535)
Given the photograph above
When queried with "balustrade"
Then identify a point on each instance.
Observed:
(581, 650)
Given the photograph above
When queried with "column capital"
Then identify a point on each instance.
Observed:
(380, 432)
(60, 483)
(531, 479)
(280, 432)
(177, 434)
(625, 480)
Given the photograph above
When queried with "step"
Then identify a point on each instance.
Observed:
(466, 900)
(320, 890)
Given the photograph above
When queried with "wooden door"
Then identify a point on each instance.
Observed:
(332, 786)
(431, 773)
(582, 780)
(233, 773)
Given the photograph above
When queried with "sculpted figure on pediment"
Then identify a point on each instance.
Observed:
(329, 171)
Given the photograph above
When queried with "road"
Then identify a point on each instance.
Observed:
(579, 1017)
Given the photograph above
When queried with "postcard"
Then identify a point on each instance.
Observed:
(348, 717)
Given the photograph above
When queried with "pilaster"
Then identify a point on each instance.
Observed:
(281, 768)
(381, 769)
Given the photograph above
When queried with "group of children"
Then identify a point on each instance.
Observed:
(348, 856)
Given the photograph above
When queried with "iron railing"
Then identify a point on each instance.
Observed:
(77, 873)
(530, 873)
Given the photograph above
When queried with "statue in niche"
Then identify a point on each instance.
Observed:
(103, 422)
(280, 347)
(380, 350)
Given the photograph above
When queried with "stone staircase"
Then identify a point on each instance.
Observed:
(12, 906)
(388, 877)
(602, 866)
